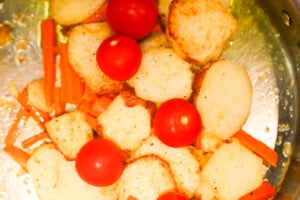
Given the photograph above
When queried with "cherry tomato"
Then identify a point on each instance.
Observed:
(177, 123)
(135, 18)
(119, 57)
(173, 196)
(99, 162)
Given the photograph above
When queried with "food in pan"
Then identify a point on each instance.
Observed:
(171, 127)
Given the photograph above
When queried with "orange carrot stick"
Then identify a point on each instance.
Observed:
(85, 106)
(88, 94)
(268, 154)
(59, 104)
(72, 84)
(98, 16)
(32, 140)
(263, 192)
(92, 121)
(95, 106)
(49, 57)
(18, 155)
(99, 105)
(13, 131)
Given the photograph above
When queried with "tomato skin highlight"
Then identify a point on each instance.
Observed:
(119, 57)
(173, 196)
(177, 123)
(99, 162)
(135, 18)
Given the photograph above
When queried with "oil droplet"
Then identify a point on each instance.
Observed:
(21, 49)
(287, 149)
(286, 18)
(279, 140)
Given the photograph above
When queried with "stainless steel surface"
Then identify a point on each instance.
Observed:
(267, 43)
(285, 17)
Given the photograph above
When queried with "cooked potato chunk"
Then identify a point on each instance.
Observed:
(183, 164)
(224, 99)
(36, 95)
(232, 171)
(199, 29)
(156, 39)
(145, 178)
(69, 132)
(162, 76)
(56, 178)
(127, 126)
(69, 12)
(84, 41)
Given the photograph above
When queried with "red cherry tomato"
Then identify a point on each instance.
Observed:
(177, 123)
(99, 162)
(135, 18)
(173, 196)
(119, 57)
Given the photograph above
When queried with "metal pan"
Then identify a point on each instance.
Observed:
(267, 43)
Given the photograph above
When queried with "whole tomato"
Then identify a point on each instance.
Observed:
(99, 162)
(135, 18)
(119, 57)
(177, 123)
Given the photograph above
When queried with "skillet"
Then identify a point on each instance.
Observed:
(267, 43)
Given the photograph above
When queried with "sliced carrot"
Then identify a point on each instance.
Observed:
(268, 154)
(48, 30)
(264, 192)
(22, 97)
(98, 16)
(35, 138)
(18, 155)
(13, 131)
(88, 94)
(95, 106)
(59, 104)
(85, 106)
(92, 121)
(130, 197)
(99, 105)
(71, 84)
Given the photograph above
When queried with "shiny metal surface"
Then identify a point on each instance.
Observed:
(285, 17)
(267, 43)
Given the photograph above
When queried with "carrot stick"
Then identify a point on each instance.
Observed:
(59, 104)
(99, 105)
(263, 192)
(72, 84)
(95, 106)
(92, 121)
(130, 197)
(268, 154)
(85, 106)
(32, 140)
(13, 131)
(88, 94)
(49, 58)
(18, 155)
(98, 16)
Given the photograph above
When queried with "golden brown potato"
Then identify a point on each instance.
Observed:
(69, 12)
(199, 29)
(55, 178)
(84, 41)
(69, 132)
